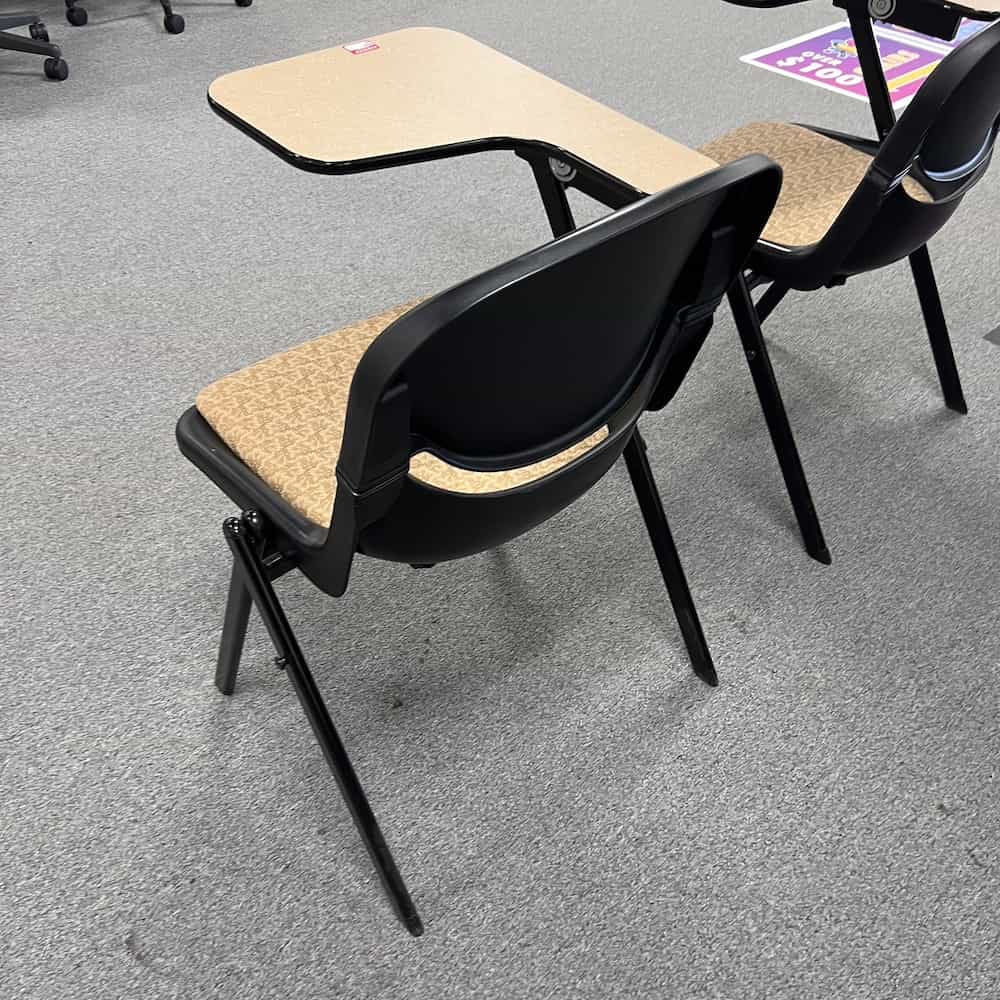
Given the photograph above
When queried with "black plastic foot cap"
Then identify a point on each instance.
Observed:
(707, 673)
(822, 555)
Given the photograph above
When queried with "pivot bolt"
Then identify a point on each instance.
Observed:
(881, 10)
(561, 171)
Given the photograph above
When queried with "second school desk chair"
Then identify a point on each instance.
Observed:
(849, 205)
(449, 427)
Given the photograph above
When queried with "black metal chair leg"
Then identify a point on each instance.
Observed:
(234, 631)
(770, 301)
(242, 535)
(553, 193)
(937, 330)
(777, 420)
(666, 555)
(75, 14)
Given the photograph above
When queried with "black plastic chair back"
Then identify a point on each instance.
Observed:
(944, 140)
(949, 129)
(515, 365)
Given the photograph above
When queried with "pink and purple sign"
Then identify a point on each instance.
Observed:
(966, 30)
(828, 58)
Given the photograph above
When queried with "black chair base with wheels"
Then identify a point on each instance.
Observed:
(38, 42)
(448, 427)
(172, 22)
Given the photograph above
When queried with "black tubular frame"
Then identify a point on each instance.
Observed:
(894, 152)
(755, 350)
(727, 208)
(651, 505)
(257, 563)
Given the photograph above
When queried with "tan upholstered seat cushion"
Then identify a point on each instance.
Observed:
(820, 175)
(284, 417)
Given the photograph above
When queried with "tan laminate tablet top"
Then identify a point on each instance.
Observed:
(428, 87)
(977, 6)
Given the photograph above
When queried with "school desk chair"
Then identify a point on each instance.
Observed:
(38, 42)
(849, 205)
(174, 23)
(446, 428)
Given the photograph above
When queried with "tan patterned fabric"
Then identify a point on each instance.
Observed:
(284, 417)
(820, 175)
(434, 471)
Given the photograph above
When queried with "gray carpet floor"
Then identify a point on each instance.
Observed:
(576, 814)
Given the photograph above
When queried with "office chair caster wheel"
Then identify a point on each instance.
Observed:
(76, 16)
(38, 32)
(174, 23)
(243, 3)
(56, 69)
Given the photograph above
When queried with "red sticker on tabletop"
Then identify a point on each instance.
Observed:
(359, 48)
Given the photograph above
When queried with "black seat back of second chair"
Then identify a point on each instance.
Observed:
(961, 103)
(944, 140)
(514, 366)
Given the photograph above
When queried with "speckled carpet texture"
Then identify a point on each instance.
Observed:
(577, 816)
